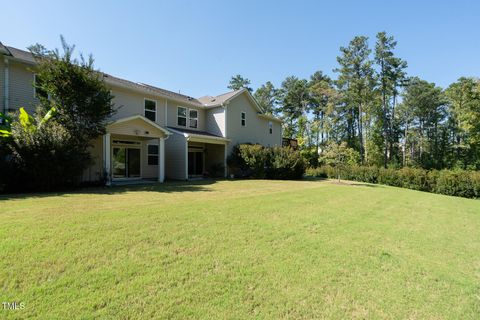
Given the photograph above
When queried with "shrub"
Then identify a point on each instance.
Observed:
(42, 156)
(462, 183)
(284, 163)
(256, 161)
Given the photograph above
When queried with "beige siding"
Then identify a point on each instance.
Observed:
(172, 116)
(21, 87)
(215, 118)
(256, 129)
(129, 103)
(175, 157)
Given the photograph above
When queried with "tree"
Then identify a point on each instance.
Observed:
(339, 156)
(295, 100)
(356, 83)
(390, 75)
(428, 106)
(238, 82)
(323, 99)
(267, 98)
(77, 105)
(464, 106)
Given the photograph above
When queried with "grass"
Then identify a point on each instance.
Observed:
(241, 250)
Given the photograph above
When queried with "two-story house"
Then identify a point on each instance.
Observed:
(155, 133)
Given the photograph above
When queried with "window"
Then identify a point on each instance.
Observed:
(38, 92)
(152, 154)
(270, 127)
(193, 121)
(244, 119)
(182, 116)
(151, 110)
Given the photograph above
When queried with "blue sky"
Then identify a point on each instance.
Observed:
(196, 46)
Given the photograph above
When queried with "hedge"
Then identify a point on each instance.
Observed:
(461, 183)
(256, 161)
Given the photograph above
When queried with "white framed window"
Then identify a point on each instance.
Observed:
(243, 119)
(182, 116)
(150, 107)
(152, 154)
(270, 127)
(193, 118)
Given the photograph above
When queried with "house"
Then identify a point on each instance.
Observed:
(155, 133)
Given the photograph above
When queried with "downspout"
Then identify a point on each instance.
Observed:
(6, 97)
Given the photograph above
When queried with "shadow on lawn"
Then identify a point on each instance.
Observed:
(167, 187)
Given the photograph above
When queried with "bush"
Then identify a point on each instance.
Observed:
(462, 183)
(256, 161)
(41, 156)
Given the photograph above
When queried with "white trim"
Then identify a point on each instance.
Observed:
(144, 109)
(150, 122)
(186, 159)
(186, 117)
(161, 160)
(270, 127)
(242, 119)
(107, 164)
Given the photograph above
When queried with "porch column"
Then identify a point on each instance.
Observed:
(161, 159)
(107, 158)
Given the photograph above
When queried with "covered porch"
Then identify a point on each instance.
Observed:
(134, 149)
(204, 154)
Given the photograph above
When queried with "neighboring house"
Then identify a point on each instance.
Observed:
(155, 133)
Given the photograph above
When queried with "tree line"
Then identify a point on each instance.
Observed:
(385, 116)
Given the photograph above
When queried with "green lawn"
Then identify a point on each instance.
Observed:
(241, 250)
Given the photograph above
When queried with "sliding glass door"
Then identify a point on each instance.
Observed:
(126, 162)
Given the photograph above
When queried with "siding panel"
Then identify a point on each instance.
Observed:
(175, 149)
(256, 129)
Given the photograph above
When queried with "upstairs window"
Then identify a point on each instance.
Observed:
(152, 154)
(244, 119)
(193, 118)
(151, 110)
(182, 116)
(38, 92)
(270, 127)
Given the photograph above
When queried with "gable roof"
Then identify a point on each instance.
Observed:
(142, 118)
(145, 88)
(202, 102)
(219, 100)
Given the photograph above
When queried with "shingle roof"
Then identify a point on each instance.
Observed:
(21, 54)
(151, 89)
(188, 131)
(210, 101)
(3, 49)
